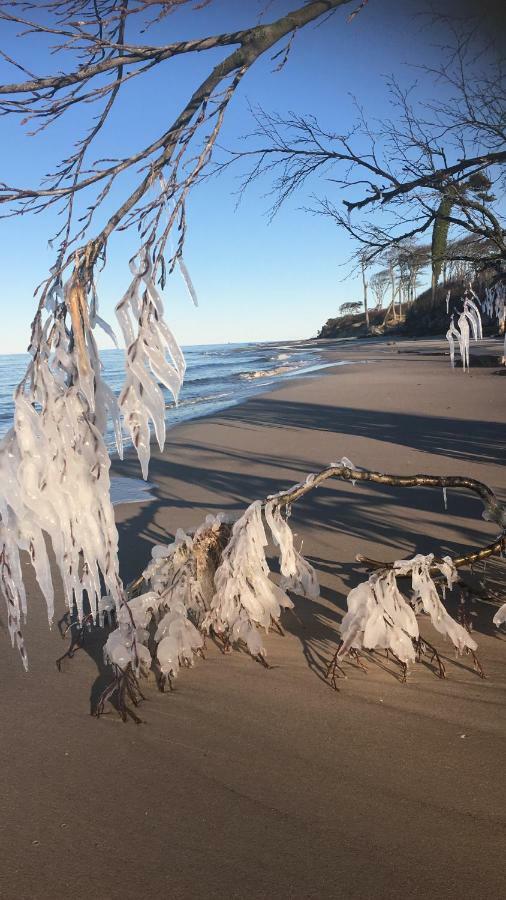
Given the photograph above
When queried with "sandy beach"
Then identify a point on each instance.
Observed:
(255, 783)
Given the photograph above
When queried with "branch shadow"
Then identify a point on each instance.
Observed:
(464, 439)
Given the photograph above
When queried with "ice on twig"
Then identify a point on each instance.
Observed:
(380, 617)
(245, 595)
(347, 464)
(297, 574)
(469, 321)
(54, 463)
(153, 355)
(500, 616)
(494, 306)
(54, 471)
(187, 280)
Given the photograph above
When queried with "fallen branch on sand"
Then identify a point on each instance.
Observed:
(216, 582)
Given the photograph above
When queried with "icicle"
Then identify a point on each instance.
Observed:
(450, 335)
(297, 574)
(463, 327)
(187, 280)
(469, 319)
(153, 355)
(379, 616)
(245, 596)
(500, 616)
(54, 470)
(472, 313)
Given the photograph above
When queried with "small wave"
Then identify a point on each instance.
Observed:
(202, 398)
(130, 490)
(268, 373)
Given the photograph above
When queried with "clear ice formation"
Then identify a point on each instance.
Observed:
(500, 616)
(469, 320)
(297, 574)
(54, 464)
(380, 617)
(494, 305)
(237, 600)
(246, 598)
(153, 355)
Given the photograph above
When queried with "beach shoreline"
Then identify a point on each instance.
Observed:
(248, 782)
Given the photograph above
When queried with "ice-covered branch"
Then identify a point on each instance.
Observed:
(493, 510)
(103, 44)
(217, 581)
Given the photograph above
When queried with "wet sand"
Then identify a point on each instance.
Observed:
(254, 783)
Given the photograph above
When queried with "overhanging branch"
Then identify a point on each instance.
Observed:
(494, 511)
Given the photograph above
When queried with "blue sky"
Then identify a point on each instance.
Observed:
(255, 280)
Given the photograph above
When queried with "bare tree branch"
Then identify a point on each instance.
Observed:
(425, 151)
(172, 162)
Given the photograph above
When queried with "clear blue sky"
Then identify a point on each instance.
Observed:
(255, 280)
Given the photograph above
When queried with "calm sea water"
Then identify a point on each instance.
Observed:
(217, 376)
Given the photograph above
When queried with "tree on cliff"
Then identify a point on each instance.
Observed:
(429, 169)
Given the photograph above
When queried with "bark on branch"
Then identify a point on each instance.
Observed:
(494, 511)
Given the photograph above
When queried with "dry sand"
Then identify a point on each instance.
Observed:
(249, 783)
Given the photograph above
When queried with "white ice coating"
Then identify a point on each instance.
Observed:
(469, 322)
(153, 355)
(54, 464)
(172, 574)
(176, 637)
(178, 641)
(246, 598)
(180, 602)
(493, 305)
(238, 600)
(500, 616)
(54, 475)
(380, 617)
(297, 574)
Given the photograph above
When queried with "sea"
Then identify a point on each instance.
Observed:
(217, 376)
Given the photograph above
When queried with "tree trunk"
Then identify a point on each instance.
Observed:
(366, 310)
(390, 307)
(440, 241)
(392, 282)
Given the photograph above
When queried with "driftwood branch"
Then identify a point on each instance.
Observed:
(493, 510)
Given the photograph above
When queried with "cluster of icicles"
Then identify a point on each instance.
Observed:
(54, 464)
(187, 600)
(239, 601)
(494, 305)
(54, 471)
(469, 320)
